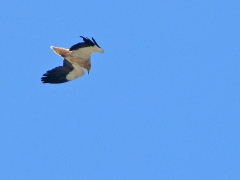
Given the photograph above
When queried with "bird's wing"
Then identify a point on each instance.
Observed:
(87, 43)
(62, 74)
(78, 46)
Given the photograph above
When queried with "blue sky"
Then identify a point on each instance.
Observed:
(162, 102)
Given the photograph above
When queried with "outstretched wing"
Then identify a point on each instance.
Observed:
(78, 46)
(87, 43)
(62, 74)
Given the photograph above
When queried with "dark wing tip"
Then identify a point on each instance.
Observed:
(95, 42)
(58, 74)
(55, 76)
(88, 41)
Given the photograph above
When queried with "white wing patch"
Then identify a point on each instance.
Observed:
(82, 53)
(75, 73)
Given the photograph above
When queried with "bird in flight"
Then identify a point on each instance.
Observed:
(74, 60)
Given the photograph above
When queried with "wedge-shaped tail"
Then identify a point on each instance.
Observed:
(60, 51)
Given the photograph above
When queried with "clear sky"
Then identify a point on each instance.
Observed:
(162, 102)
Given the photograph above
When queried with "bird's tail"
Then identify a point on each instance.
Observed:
(60, 51)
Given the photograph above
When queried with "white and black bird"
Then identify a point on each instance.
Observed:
(75, 59)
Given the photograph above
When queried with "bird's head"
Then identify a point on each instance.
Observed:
(93, 44)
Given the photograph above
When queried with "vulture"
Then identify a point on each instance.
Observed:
(75, 60)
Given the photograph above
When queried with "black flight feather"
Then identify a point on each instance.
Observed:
(87, 43)
(58, 74)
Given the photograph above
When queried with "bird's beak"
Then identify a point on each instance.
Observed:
(102, 51)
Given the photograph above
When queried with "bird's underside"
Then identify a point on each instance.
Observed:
(76, 59)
